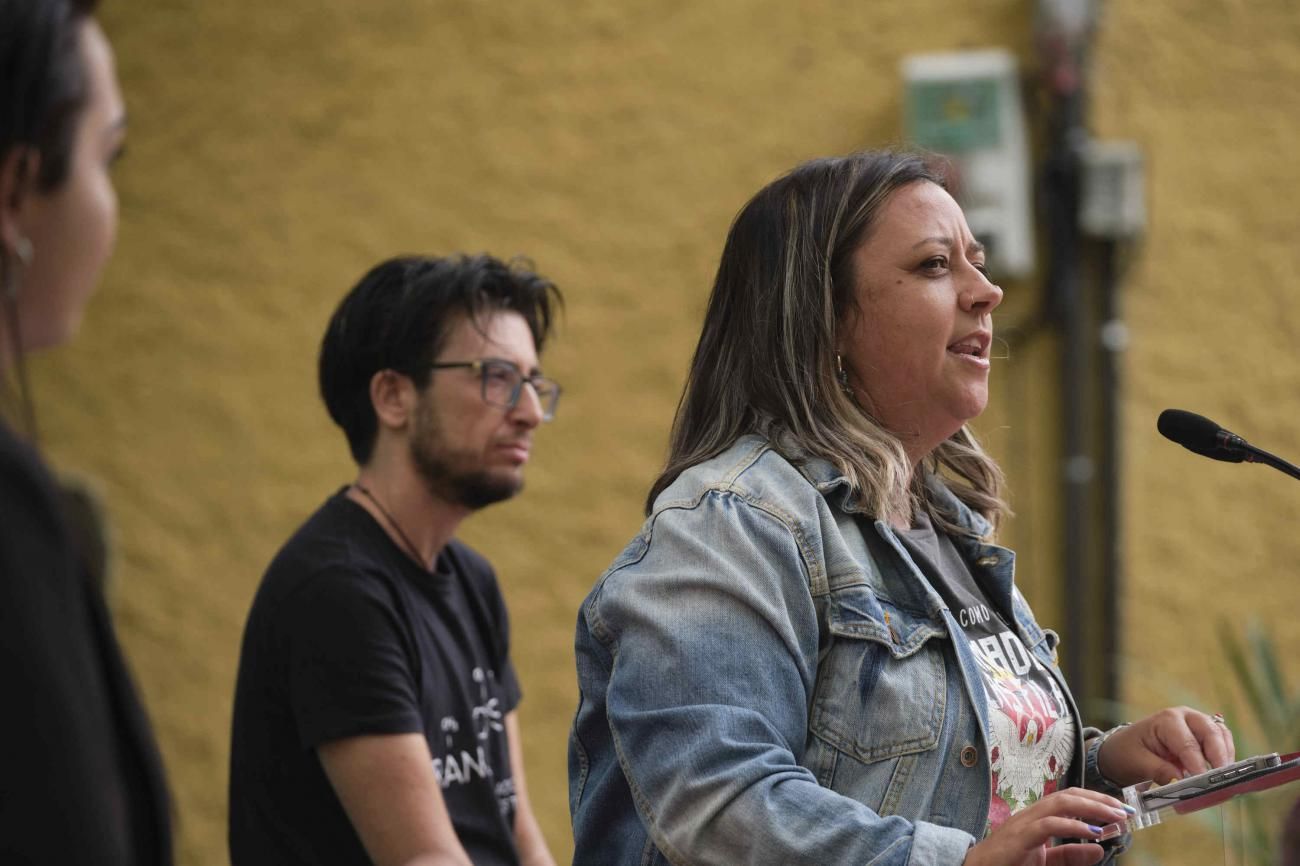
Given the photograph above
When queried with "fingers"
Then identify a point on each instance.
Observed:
(1074, 813)
(1187, 746)
(1060, 827)
(1075, 855)
(1090, 806)
(1164, 768)
(1232, 744)
(1168, 745)
(1215, 737)
(1198, 741)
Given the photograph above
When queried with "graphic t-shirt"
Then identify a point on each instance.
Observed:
(347, 636)
(1031, 736)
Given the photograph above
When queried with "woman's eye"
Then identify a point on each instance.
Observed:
(982, 268)
(938, 263)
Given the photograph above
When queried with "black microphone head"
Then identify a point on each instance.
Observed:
(1188, 429)
(1198, 434)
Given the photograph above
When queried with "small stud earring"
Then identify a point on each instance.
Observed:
(11, 273)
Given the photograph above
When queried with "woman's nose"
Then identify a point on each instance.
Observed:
(981, 295)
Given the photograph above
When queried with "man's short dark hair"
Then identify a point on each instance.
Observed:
(399, 316)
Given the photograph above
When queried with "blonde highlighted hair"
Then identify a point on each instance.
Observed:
(766, 360)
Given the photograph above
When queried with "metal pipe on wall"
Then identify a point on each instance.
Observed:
(1113, 339)
(1065, 289)
(1064, 29)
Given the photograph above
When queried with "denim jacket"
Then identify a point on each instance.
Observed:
(767, 678)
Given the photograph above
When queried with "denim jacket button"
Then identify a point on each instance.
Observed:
(969, 757)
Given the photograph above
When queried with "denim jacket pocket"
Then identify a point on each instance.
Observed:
(881, 683)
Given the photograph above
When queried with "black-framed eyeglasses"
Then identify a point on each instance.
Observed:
(503, 382)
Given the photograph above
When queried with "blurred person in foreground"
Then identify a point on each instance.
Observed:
(82, 781)
(814, 652)
(375, 707)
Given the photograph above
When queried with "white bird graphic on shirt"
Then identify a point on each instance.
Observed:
(1024, 764)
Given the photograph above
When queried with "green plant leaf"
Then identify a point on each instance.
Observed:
(1273, 685)
(1242, 670)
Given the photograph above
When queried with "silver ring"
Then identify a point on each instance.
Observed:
(1218, 719)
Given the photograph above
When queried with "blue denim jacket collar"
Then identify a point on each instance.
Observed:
(835, 487)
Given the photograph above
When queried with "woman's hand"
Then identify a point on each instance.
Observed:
(1022, 840)
(1171, 744)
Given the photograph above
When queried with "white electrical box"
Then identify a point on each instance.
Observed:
(967, 107)
(1113, 203)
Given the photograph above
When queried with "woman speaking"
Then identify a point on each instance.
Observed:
(814, 652)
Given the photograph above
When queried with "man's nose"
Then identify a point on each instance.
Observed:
(528, 408)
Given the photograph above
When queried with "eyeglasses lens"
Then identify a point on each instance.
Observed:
(503, 385)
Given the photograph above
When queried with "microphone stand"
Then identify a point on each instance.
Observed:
(1259, 455)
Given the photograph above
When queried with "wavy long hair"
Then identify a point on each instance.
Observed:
(766, 359)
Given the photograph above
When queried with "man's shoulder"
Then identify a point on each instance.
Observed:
(332, 551)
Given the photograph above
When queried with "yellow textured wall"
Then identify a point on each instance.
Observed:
(277, 151)
(1209, 90)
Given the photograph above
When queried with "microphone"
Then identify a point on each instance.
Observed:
(1200, 435)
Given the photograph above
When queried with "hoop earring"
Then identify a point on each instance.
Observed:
(842, 375)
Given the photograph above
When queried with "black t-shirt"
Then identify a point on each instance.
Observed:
(347, 636)
(81, 780)
(1031, 729)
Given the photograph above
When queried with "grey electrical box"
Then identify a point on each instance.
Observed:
(1113, 201)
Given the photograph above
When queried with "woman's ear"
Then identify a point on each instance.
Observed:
(392, 395)
(18, 170)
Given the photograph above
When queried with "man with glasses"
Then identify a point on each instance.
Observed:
(375, 706)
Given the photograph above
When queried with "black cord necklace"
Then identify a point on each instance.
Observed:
(411, 550)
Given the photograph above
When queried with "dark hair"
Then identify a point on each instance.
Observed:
(43, 85)
(766, 359)
(398, 317)
(43, 90)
